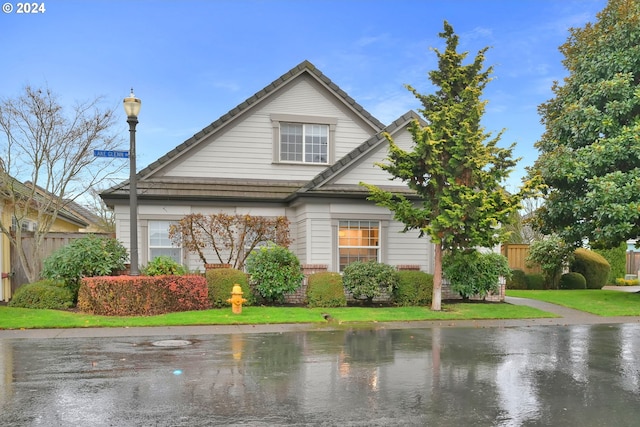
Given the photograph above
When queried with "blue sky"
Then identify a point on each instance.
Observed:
(192, 61)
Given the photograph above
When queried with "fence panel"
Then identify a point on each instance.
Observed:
(517, 256)
(51, 243)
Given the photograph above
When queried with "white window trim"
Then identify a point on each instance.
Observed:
(331, 122)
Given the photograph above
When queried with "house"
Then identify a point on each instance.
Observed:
(69, 220)
(298, 148)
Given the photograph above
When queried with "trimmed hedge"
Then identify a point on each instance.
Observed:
(370, 279)
(220, 282)
(414, 288)
(573, 281)
(49, 294)
(594, 267)
(142, 295)
(617, 258)
(518, 280)
(325, 290)
(535, 281)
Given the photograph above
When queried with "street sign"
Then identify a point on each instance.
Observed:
(111, 153)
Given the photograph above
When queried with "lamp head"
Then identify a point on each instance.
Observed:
(132, 105)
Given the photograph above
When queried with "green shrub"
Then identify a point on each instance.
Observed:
(220, 282)
(535, 281)
(414, 288)
(573, 281)
(518, 280)
(275, 271)
(594, 267)
(43, 294)
(325, 290)
(474, 273)
(163, 265)
(142, 295)
(617, 259)
(86, 257)
(368, 280)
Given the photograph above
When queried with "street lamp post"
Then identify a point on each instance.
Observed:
(132, 108)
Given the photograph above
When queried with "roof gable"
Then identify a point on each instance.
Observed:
(359, 154)
(258, 98)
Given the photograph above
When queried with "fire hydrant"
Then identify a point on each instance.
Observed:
(236, 299)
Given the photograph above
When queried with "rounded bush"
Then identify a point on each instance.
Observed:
(49, 294)
(472, 272)
(275, 271)
(325, 290)
(220, 282)
(86, 257)
(371, 279)
(594, 267)
(535, 281)
(414, 288)
(573, 281)
(162, 266)
(518, 280)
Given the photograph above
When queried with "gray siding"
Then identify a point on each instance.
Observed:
(246, 149)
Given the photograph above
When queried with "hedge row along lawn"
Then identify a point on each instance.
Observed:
(21, 318)
(596, 301)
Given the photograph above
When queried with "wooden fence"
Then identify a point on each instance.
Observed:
(51, 243)
(633, 262)
(517, 255)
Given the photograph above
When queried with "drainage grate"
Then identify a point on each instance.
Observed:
(171, 343)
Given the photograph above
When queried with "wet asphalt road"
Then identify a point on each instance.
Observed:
(557, 375)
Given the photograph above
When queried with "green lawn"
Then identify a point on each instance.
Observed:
(20, 318)
(596, 301)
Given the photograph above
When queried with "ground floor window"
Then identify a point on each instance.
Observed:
(358, 241)
(159, 242)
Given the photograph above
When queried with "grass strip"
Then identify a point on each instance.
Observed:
(21, 318)
(596, 301)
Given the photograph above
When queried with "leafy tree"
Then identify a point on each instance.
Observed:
(231, 237)
(589, 164)
(554, 255)
(455, 167)
(47, 161)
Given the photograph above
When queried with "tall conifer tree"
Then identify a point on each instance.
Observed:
(455, 167)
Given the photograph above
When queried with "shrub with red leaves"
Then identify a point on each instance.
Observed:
(142, 295)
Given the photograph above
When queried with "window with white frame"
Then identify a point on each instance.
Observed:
(159, 242)
(358, 240)
(301, 142)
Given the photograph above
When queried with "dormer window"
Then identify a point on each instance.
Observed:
(306, 143)
(303, 139)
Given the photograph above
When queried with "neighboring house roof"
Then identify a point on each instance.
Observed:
(65, 213)
(152, 186)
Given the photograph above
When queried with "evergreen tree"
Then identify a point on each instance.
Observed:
(455, 167)
(589, 161)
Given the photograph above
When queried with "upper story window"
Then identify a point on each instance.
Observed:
(303, 139)
(306, 143)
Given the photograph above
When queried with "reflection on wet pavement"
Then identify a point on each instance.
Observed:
(534, 376)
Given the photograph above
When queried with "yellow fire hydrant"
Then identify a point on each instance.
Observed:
(236, 299)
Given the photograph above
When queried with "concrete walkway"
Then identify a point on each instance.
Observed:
(567, 316)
